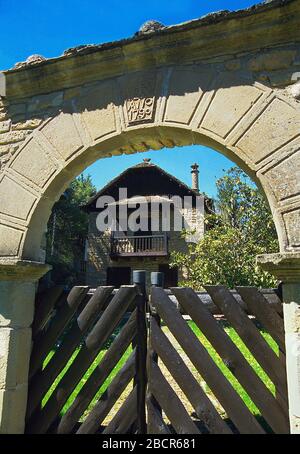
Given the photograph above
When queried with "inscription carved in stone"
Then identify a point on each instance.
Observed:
(140, 109)
(140, 94)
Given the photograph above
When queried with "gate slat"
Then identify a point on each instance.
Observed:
(125, 417)
(43, 308)
(172, 405)
(221, 387)
(268, 317)
(273, 323)
(140, 380)
(185, 379)
(43, 345)
(168, 400)
(93, 421)
(238, 365)
(249, 333)
(101, 332)
(156, 424)
(95, 324)
(43, 379)
(98, 377)
(111, 316)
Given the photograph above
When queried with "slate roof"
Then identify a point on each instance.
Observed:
(135, 170)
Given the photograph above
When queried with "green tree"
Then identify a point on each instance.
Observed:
(241, 228)
(67, 230)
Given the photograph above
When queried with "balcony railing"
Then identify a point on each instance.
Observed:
(134, 246)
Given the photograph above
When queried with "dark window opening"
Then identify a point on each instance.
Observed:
(170, 275)
(118, 275)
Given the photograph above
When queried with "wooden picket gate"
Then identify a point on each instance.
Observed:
(166, 412)
(87, 322)
(71, 331)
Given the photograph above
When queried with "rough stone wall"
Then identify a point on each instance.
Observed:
(98, 254)
(98, 249)
(14, 128)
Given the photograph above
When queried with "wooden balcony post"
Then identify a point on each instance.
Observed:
(142, 245)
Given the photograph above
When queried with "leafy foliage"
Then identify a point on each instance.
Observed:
(241, 228)
(67, 230)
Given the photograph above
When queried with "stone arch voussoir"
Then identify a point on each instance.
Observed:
(245, 120)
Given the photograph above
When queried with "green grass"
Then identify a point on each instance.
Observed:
(248, 356)
(230, 331)
(84, 378)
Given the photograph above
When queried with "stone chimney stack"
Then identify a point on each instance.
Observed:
(195, 177)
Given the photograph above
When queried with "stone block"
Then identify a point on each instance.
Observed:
(63, 135)
(3, 101)
(294, 90)
(28, 124)
(12, 409)
(12, 137)
(34, 164)
(230, 104)
(292, 222)
(4, 149)
(140, 92)
(17, 303)
(280, 78)
(14, 199)
(269, 61)
(3, 115)
(11, 148)
(285, 177)
(97, 107)
(43, 102)
(291, 308)
(276, 126)
(15, 345)
(188, 99)
(5, 126)
(11, 240)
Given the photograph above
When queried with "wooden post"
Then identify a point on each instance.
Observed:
(139, 279)
(157, 280)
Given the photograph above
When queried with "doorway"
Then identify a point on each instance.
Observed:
(118, 275)
(170, 275)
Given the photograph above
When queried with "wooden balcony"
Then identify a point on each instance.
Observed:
(139, 246)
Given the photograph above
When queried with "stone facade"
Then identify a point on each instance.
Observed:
(230, 81)
(173, 202)
(99, 259)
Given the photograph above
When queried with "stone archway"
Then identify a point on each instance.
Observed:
(178, 86)
(247, 121)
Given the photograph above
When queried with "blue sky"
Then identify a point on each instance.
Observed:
(49, 27)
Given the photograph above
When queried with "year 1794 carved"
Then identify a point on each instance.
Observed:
(140, 109)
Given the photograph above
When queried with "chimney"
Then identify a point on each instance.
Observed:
(195, 177)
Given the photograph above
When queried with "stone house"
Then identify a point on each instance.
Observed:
(159, 206)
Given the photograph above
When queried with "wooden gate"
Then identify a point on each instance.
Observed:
(88, 362)
(65, 349)
(218, 406)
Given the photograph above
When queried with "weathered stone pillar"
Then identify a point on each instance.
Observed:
(18, 281)
(286, 267)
